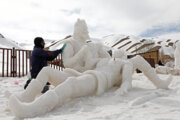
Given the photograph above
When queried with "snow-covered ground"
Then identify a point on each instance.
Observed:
(143, 102)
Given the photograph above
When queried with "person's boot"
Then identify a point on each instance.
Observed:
(27, 83)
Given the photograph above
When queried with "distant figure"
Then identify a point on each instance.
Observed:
(39, 59)
(160, 63)
(177, 55)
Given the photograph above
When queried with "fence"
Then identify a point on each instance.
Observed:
(16, 62)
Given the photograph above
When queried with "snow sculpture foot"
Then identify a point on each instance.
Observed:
(125, 87)
(31, 91)
(41, 105)
(164, 83)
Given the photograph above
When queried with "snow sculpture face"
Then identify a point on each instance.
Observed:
(119, 54)
(81, 31)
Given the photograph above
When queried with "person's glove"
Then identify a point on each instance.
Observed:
(62, 49)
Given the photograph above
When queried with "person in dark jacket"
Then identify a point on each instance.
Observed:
(39, 59)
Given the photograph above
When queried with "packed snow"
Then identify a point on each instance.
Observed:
(143, 102)
(144, 99)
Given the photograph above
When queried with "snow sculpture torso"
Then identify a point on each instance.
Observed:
(79, 54)
(111, 71)
(177, 56)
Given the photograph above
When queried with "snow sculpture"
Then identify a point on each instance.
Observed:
(177, 55)
(98, 72)
(169, 67)
(162, 69)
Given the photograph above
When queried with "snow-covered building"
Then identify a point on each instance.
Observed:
(156, 48)
(8, 43)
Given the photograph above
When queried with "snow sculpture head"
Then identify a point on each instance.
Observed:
(81, 31)
(177, 55)
(119, 54)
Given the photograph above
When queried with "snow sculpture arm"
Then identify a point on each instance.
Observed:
(94, 55)
(70, 59)
(103, 53)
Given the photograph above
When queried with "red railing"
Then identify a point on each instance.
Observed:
(16, 62)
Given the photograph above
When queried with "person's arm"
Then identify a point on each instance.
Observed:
(46, 54)
(54, 54)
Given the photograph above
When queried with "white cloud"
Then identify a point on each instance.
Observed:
(26, 19)
(174, 35)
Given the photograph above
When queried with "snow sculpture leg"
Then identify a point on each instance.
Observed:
(76, 87)
(42, 105)
(47, 74)
(140, 63)
(71, 88)
(126, 79)
(31, 91)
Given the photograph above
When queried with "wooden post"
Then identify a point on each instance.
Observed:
(26, 62)
(3, 64)
(22, 62)
(7, 62)
(14, 63)
(11, 64)
(19, 63)
(29, 60)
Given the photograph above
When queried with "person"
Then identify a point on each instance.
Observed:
(39, 59)
(160, 63)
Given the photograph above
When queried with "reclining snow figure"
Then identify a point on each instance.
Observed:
(100, 72)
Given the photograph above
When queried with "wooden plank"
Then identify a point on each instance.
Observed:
(7, 63)
(3, 64)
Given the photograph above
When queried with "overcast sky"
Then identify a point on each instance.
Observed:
(22, 20)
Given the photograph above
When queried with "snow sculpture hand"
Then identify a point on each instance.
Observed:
(123, 88)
